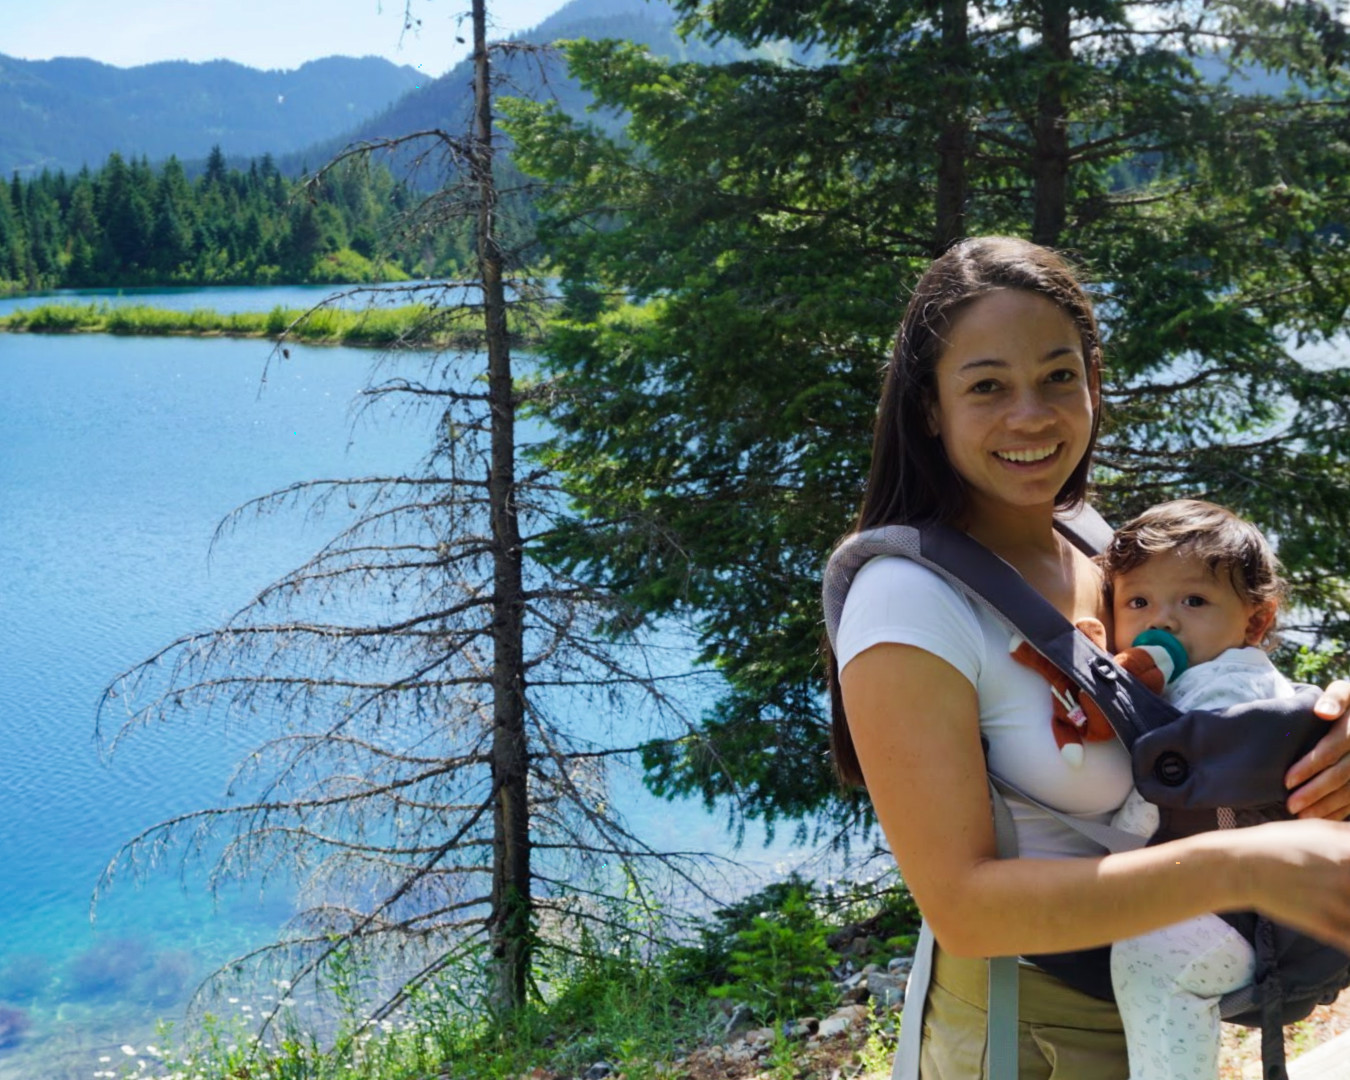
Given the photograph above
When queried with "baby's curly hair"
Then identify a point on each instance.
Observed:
(1192, 527)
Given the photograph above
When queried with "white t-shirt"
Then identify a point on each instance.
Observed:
(898, 601)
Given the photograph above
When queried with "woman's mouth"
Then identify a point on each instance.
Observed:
(1028, 455)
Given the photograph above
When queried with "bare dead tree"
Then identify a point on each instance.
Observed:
(439, 711)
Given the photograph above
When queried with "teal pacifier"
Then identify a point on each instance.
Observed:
(1168, 643)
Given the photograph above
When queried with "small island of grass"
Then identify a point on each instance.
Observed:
(413, 324)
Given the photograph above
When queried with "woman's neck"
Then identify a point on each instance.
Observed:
(1016, 534)
(1026, 539)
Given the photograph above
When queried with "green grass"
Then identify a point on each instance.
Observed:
(602, 1008)
(640, 1007)
(413, 324)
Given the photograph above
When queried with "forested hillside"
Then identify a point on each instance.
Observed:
(129, 223)
(70, 113)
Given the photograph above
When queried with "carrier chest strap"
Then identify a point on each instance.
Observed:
(989, 581)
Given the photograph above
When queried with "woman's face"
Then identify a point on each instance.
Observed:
(1013, 405)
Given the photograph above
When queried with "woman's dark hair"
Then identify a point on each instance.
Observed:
(911, 481)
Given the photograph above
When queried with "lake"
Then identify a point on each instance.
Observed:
(118, 458)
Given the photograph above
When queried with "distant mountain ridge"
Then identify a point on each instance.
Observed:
(66, 113)
(445, 103)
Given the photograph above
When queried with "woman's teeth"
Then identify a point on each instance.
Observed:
(1038, 454)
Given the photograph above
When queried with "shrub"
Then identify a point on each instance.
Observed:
(781, 964)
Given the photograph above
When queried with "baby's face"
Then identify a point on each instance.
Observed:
(1179, 594)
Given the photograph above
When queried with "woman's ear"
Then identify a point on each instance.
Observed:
(1259, 622)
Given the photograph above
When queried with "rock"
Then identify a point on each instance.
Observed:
(742, 1051)
(900, 965)
(841, 938)
(739, 1021)
(833, 1025)
(853, 995)
(758, 1036)
(598, 1071)
(13, 1026)
(886, 989)
(855, 1014)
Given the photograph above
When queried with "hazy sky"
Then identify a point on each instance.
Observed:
(259, 33)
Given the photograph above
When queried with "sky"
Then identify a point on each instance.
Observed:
(257, 33)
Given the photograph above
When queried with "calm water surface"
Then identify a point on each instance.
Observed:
(118, 457)
(226, 299)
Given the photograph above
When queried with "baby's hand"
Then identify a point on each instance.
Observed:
(1094, 630)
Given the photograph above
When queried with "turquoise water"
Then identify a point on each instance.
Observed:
(232, 298)
(118, 457)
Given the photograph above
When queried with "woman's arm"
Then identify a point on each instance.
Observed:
(1319, 782)
(915, 725)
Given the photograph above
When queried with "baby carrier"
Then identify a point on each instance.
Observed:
(1203, 770)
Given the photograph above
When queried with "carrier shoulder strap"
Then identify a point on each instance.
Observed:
(980, 574)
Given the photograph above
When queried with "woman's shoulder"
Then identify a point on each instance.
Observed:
(887, 572)
(894, 599)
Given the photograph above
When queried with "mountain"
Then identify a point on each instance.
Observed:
(67, 113)
(445, 103)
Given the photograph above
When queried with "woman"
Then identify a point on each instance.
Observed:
(988, 417)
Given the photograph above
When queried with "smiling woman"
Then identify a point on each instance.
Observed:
(1013, 381)
(987, 422)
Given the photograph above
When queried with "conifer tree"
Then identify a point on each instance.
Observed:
(447, 709)
(769, 217)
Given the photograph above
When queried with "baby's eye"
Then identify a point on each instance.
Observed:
(1135, 603)
(1195, 601)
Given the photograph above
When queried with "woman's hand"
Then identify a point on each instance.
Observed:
(1298, 873)
(1319, 782)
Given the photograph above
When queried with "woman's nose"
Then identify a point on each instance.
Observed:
(1031, 410)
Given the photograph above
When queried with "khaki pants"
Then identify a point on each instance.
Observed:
(1063, 1033)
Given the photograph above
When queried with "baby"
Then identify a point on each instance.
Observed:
(1202, 575)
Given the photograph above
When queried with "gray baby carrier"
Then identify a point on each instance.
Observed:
(1203, 770)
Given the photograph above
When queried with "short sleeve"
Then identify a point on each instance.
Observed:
(897, 601)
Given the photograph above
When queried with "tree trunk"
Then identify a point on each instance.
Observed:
(510, 919)
(1050, 166)
(953, 136)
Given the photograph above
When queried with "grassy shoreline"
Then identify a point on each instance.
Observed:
(413, 325)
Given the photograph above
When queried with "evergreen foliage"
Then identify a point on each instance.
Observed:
(768, 218)
(128, 224)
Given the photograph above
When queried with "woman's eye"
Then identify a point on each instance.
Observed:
(984, 386)
(1063, 375)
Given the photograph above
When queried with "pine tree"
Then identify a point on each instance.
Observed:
(768, 218)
